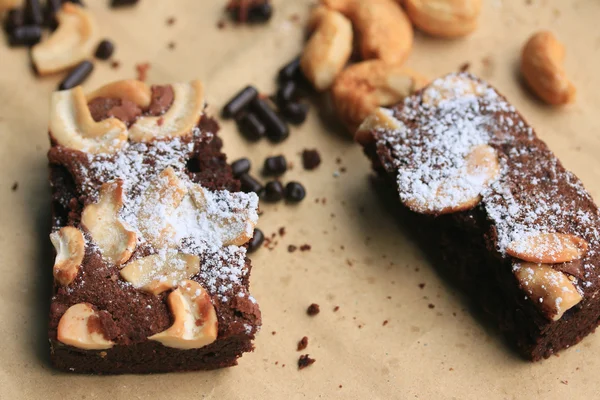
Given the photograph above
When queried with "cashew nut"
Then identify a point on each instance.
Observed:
(541, 66)
(444, 18)
(129, 89)
(384, 31)
(72, 42)
(328, 50)
(361, 88)
(79, 327)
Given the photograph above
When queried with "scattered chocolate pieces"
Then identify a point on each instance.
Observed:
(305, 361)
(294, 192)
(421, 285)
(313, 309)
(250, 127)
(431, 306)
(276, 165)
(385, 322)
(292, 248)
(336, 308)
(240, 167)
(257, 240)
(25, 35)
(277, 130)
(290, 71)
(239, 102)
(286, 92)
(171, 45)
(171, 21)
(464, 67)
(14, 186)
(142, 71)
(14, 19)
(122, 3)
(77, 75)
(251, 11)
(311, 159)
(249, 184)
(115, 64)
(105, 50)
(303, 343)
(305, 247)
(295, 113)
(273, 191)
(33, 12)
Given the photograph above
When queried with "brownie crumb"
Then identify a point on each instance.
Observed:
(385, 322)
(171, 45)
(142, 71)
(305, 247)
(115, 64)
(14, 186)
(171, 21)
(282, 231)
(311, 159)
(421, 285)
(340, 386)
(336, 308)
(305, 361)
(292, 248)
(313, 309)
(464, 67)
(303, 343)
(431, 305)
(276, 362)
(221, 25)
(274, 333)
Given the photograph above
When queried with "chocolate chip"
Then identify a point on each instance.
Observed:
(290, 71)
(240, 167)
(277, 129)
(273, 191)
(257, 240)
(239, 102)
(295, 113)
(313, 309)
(77, 75)
(249, 184)
(33, 12)
(104, 50)
(286, 92)
(276, 165)
(25, 35)
(311, 159)
(294, 192)
(121, 3)
(14, 19)
(251, 127)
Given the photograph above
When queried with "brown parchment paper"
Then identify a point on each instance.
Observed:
(360, 259)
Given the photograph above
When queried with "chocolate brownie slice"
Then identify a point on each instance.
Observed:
(150, 229)
(506, 220)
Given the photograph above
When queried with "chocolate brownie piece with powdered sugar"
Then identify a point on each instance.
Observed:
(503, 217)
(150, 230)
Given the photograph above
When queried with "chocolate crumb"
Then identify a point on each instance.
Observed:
(385, 322)
(221, 24)
(303, 343)
(115, 64)
(274, 333)
(431, 305)
(14, 186)
(305, 361)
(171, 45)
(292, 248)
(343, 170)
(142, 71)
(311, 159)
(282, 231)
(171, 21)
(336, 308)
(421, 285)
(340, 386)
(282, 365)
(464, 67)
(313, 309)
(276, 362)
(360, 326)
(305, 247)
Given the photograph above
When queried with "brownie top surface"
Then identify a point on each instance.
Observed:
(432, 136)
(172, 210)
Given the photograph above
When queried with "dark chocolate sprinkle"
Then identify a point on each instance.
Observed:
(273, 191)
(257, 240)
(52, 7)
(33, 12)
(290, 71)
(286, 93)
(276, 165)
(14, 19)
(311, 159)
(105, 50)
(77, 75)
(294, 192)
(25, 35)
(240, 167)
(250, 126)
(121, 3)
(295, 113)
(249, 184)
(239, 102)
(277, 129)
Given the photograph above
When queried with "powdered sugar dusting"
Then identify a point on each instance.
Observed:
(532, 194)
